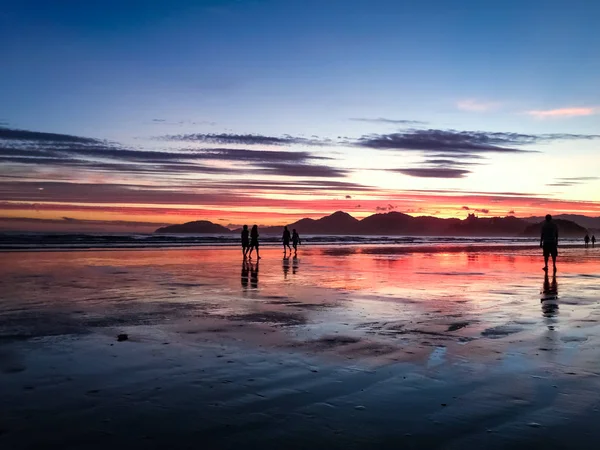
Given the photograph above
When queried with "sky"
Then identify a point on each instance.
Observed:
(127, 115)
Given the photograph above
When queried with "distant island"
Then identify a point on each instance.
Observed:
(397, 223)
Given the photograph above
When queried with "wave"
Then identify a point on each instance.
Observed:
(61, 241)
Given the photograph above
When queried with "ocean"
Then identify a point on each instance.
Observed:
(65, 241)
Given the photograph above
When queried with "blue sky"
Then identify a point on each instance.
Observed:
(128, 71)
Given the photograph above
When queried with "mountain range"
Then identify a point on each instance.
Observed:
(397, 223)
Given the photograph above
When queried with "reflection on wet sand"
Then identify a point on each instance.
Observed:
(388, 341)
(549, 297)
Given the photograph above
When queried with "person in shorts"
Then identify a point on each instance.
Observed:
(549, 241)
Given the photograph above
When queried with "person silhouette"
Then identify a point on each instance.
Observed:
(549, 241)
(286, 240)
(295, 241)
(254, 275)
(245, 241)
(586, 239)
(593, 241)
(254, 242)
(244, 274)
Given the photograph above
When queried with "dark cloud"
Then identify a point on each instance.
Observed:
(51, 150)
(388, 207)
(302, 170)
(11, 134)
(511, 212)
(348, 196)
(466, 208)
(453, 142)
(389, 121)
(244, 139)
(571, 181)
(433, 172)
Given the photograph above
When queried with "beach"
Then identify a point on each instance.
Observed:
(346, 346)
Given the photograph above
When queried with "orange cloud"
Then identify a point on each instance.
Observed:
(562, 112)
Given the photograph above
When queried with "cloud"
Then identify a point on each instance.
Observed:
(12, 134)
(511, 212)
(388, 121)
(458, 144)
(39, 150)
(388, 207)
(433, 172)
(303, 170)
(348, 196)
(563, 112)
(447, 141)
(466, 208)
(473, 105)
(244, 139)
(571, 181)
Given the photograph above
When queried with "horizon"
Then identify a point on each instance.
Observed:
(121, 117)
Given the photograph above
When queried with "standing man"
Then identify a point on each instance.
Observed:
(295, 241)
(286, 240)
(586, 239)
(593, 240)
(549, 241)
(245, 241)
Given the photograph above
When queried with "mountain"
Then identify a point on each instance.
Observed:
(487, 226)
(592, 223)
(397, 223)
(196, 227)
(337, 223)
(566, 228)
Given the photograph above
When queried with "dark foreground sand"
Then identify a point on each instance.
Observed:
(340, 348)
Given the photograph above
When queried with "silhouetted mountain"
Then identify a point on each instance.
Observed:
(386, 223)
(337, 223)
(197, 227)
(592, 223)
(566, 228)
(397, 223)
(487, 226)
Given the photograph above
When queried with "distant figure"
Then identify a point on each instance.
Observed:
(286, 240)
(254, 242)
(245, 241)
(295, 241)
(586, 239)
(254, 275)
(593, 241)
(549, 241)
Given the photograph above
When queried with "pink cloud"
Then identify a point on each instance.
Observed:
(474, 105)
(562, 112)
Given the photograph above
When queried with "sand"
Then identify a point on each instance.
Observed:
(343, 347)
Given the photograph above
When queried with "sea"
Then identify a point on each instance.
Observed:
(11, 241)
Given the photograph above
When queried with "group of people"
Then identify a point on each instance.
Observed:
(586, 239)
(250, 241)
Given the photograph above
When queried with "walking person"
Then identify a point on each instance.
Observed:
(593, 241)
(586, 239)
(245, 241)
(295, 241)
(254, 242)
(286, 240)
(549, 241)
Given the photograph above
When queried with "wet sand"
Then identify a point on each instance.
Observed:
(343, 347)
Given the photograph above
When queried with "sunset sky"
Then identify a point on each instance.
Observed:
(132, 114)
